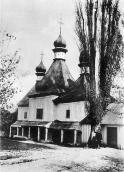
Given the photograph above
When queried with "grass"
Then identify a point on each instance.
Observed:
(8, 144)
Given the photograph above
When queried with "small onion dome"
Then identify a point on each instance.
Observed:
(83, 59)
(41, 68)
(60, 42)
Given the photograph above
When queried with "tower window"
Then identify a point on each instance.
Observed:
(25, 115)
(67, 113)
(39, 114)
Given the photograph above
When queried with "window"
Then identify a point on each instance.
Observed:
(67, 113)
(39, 114)
(25, 115)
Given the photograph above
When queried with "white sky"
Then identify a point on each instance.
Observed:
(35, 25)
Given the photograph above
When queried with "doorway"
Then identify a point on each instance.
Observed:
(112, 136)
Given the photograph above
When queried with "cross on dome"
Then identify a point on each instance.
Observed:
(42, 54)
(60, 22)
(40, 69)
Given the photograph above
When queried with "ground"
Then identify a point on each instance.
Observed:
(34, 157)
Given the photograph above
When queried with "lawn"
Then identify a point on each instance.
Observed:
(53, 158)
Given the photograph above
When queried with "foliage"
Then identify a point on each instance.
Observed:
(6, 119)
(98, 31)
(8, 66)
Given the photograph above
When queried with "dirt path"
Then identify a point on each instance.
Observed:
(65, 159)
(70, 159)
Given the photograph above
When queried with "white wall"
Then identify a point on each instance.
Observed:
(86, 129)
(46, 104)
(120, 133)
(21, 111)
(51, 111)
(77, 111)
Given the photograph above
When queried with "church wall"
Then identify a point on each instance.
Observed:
(44, 103)
(85, 133)
(21, 111)
(77, 111)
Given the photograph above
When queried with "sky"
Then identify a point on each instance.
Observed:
(35, 24)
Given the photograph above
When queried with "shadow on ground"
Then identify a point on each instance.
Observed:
(8, 144)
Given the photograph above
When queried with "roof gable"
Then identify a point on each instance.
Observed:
(78, 92)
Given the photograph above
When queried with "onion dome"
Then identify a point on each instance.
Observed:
(60, 45)
(83, 59)
(60, 42)
(41, 67)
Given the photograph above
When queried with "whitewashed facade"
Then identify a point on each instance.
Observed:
(51, 111)
(42, 115)
(78, 111)
(113, 126)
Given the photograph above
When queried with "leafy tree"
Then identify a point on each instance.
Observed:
(7, 119)
(8, 66)
(98, 31)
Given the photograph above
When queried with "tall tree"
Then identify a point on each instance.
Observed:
(8, 64)
(98, 31)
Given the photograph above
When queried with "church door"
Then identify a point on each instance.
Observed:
(112, 136)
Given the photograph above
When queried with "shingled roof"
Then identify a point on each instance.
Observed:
(78, 92)
(56, 81)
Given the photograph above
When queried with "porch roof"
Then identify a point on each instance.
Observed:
(65, 125)
(31, 123)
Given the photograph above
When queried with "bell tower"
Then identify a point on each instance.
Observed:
(60, 46)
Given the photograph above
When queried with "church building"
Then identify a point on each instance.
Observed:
(52, 110)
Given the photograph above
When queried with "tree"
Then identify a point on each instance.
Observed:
(7, 119)
(98, 31)
(8, 66)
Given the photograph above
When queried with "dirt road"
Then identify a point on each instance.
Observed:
(64, 159)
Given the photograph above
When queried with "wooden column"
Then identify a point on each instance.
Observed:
(46, 134)
(62, 133)
(29, 132)
(38, 135)
(75, 137)
(10, 132)
(17, 131)
(22, 131)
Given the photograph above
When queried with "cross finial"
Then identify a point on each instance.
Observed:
(42, 54)
(60, 22)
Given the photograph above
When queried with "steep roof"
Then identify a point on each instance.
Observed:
(114, 114)
(78, 92)
(56, 81)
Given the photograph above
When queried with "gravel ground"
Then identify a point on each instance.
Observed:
(53, 158)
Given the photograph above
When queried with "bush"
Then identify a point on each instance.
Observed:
(6, 119)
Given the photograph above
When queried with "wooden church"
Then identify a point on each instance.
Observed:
(52, 110)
